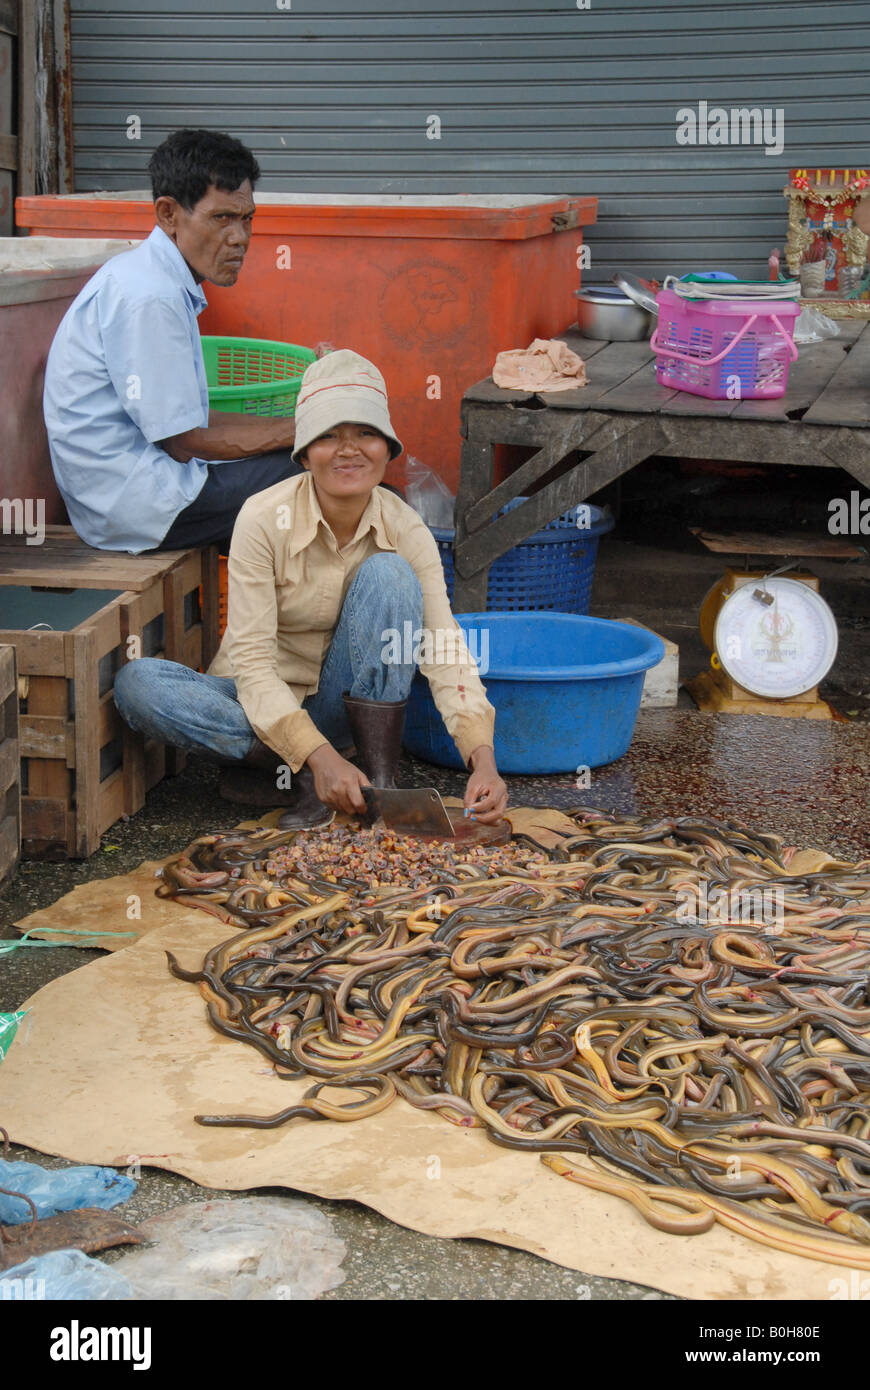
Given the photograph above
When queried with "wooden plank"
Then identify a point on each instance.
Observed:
(191, 569)
(86, 654)
(487, 393)
(639, 392)
(9, 152)
(192, 655)
(133, 752)
(846, 398)
(65, 561)
(137, 611)
(173, 614)
(630, 448)
(48, 778)
(807, 378)
(566, 434)
(9, 16)
(9, 765)
(850, 449)
(185, 577)
(112, 800)
(62, 68)
(38, 653)
(607, 369)
(10, 845)
(9, 716)
(746, 441)
(493, 424)
(48, 736)
(108, 719)
(8, 674)
(579, 343)
(210, 604)
(789, 543)
(155, 765)
(43, 824)
(105, 625)
(28, 101)
(44, 114)
(684, 403)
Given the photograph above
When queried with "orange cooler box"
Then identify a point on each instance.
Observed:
(430, 288)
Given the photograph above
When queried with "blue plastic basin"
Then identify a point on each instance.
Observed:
(566, 690)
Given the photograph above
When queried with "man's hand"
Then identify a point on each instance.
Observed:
(486, 795)
(336, 781)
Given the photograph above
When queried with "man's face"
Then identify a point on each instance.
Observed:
(213, 238)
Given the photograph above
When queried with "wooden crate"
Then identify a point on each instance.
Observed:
(82, 767)
(63, 560)
(10, 797)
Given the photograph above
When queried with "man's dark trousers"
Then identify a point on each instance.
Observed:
(210, 518)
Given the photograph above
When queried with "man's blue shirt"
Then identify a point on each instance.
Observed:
(124, 371)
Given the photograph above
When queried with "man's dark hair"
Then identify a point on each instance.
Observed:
(189, 161)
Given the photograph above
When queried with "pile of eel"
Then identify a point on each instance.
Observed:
(666, 1000)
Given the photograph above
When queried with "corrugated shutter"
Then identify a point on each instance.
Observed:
(334, 97)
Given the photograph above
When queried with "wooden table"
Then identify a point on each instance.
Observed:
(624, 416)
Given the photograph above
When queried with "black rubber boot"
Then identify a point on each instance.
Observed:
(253, 780)
(377, 727)
(307, 810)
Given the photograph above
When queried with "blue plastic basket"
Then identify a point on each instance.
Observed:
(566, 690)
(552, 570)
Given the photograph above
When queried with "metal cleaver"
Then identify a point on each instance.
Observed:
(410, 810)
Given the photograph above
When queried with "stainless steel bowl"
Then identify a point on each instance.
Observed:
(604, 312)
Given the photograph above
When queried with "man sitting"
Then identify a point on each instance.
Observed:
(141, 461)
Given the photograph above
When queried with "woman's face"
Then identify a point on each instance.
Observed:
(347, 461)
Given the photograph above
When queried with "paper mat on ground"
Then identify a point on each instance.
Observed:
(120, 1057)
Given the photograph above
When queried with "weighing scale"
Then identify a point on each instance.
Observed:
(772, 638)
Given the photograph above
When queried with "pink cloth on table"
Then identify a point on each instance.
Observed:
(545, 365)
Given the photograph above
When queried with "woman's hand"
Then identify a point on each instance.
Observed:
(486, 795)
(336, 781)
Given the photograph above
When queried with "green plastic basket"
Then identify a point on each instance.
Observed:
(253, 376)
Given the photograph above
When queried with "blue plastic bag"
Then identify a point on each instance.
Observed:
(62, 1274)
(59, 1189)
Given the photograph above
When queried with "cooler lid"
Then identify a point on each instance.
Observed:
(510, 217)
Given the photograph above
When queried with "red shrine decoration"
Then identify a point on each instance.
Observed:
(821, 228)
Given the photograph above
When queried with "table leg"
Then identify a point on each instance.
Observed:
(477, 471)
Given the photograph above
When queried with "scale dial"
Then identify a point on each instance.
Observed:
(777, 650)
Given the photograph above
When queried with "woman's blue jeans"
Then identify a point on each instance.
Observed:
(202, 714)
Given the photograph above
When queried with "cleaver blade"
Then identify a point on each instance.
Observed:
(410, 810)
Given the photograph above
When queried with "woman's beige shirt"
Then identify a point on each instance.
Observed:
(287, 583)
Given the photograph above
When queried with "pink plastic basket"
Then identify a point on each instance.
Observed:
(724, 348)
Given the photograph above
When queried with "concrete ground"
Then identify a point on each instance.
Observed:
(807, 780)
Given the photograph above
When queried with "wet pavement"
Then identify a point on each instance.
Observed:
(808, 781)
